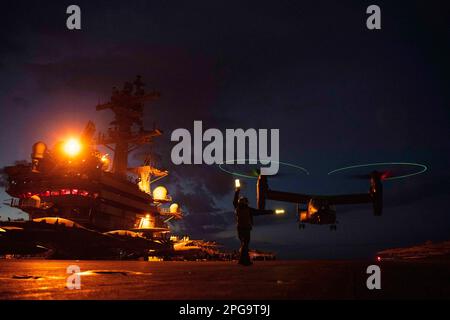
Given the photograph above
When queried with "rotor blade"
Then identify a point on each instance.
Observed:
(256, 173)
(366, 176)
(358, 176)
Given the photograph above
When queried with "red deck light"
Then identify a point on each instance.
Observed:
(65, 192)
(46, 193)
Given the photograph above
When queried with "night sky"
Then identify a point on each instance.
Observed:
(339, 93)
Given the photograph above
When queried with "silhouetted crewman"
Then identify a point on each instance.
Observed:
(244, 221)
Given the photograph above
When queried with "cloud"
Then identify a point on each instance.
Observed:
(3, 178)
(203, 216)
(420, 189)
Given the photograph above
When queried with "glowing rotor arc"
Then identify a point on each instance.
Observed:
(422, 167)
(253, 177)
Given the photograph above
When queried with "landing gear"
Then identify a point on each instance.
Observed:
(301, 226)
(333, 227)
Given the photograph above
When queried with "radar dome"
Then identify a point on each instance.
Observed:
(160, 193)
(38, 150)
(173, 208)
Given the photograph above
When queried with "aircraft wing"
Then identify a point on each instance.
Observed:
(288, 196)
(347, 198)
(332, 199)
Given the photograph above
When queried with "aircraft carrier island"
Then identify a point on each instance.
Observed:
(84, 204)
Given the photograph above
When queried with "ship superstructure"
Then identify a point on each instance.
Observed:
(75, 181)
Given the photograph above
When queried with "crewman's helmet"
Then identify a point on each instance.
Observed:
(243, 201)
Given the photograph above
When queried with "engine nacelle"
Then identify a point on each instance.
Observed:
(376, 192)
(261, 191)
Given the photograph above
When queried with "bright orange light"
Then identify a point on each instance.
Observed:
(303, 215)
(160, 193)
(72, 147)
(145, 222)
(311, 208)
(174, 208)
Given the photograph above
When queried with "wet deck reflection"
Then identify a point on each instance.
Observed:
(43, 279)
